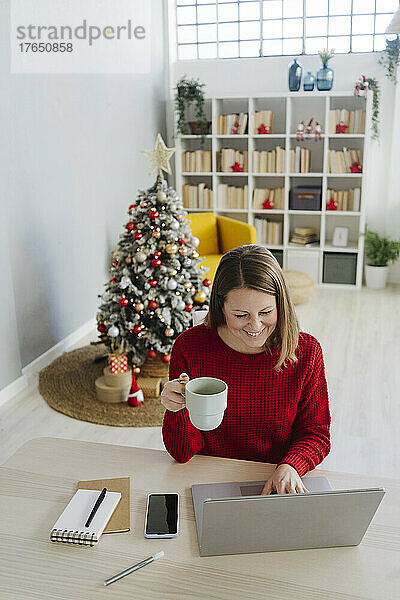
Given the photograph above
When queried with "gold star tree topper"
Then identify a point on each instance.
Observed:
(160, 156)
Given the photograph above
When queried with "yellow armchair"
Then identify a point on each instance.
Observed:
(218, 235)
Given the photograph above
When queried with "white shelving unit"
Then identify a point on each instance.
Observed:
(289, 109)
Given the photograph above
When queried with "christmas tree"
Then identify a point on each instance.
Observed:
(156, 280)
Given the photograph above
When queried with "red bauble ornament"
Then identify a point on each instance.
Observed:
(115, 263)
(156, 262)
(183, 240)
(207, 282)
(132, 206)
(188, 307)
(130, 226)
(166, 358)
(113, 280)
(151, 354)
(101, 327)
(153, 305)
(137, 329)
(137, 235)
(157, 254)
(153, 214)
(153, 282)
(123, 301)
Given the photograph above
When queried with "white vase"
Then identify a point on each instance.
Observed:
(375, 277)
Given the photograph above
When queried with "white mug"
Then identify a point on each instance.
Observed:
(206, 401)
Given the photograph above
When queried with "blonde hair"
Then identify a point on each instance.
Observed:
(255, 267)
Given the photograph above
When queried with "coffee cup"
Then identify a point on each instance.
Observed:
(206, 401)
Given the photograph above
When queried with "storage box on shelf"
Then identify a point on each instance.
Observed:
(263, 137)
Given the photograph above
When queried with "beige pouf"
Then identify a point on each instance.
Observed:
(301, 286)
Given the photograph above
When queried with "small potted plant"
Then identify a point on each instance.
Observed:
(325, 74)
(186, 92)
(379, 252)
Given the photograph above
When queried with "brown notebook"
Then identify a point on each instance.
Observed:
(120, 519)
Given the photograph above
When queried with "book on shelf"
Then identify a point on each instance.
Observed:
(354, 120)
(340, 161)
(269, 161)
(196, 196)
(304, 236)
(232, 124)
(227, 157)
(344, 200)
(266, 118)
(230, 196)
(269, 231)
(299, 160)
(198, 161)
(276, 197)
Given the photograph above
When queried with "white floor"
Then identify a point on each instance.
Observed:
(360, 334)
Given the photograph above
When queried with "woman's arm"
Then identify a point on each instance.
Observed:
(310, 439)
(182, 439)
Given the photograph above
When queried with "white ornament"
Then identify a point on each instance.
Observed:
(107, 296)
(181, 305)
(125, 281)
(174, 225)
(113, 331)
(172, 284)
(195, 242)
(140, 257)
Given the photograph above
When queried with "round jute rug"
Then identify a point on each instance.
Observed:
(67, 385)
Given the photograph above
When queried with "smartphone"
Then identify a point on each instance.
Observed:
(162, 516)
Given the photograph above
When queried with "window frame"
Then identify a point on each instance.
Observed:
(261, 39)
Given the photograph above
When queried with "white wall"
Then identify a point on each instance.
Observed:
(258, 76)
(71, 165)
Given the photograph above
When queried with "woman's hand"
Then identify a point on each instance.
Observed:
(285, 480)
(173, 394)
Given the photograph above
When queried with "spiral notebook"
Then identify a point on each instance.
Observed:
(70, 526)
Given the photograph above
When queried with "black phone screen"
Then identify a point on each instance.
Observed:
(162, 514)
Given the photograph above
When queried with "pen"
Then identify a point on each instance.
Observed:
(95, 508)
(139, 565)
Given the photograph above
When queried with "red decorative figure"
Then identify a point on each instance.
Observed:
(235, 127)
(263, 129)
(317, 131)
(356, 168)
(267, 204)
(236, 168)
(341, 127)
(135, 397)
(331, 205)
(309, 126)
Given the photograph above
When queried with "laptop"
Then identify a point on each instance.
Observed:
(233, 518)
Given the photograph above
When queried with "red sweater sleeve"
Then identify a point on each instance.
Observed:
(182, 439)
(310, 439)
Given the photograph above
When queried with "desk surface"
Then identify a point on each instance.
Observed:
(39, 479)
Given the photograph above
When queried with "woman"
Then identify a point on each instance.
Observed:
(278, 410)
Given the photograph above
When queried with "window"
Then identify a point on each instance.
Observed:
(247, 28)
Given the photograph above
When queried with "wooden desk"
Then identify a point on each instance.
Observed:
(38, 480)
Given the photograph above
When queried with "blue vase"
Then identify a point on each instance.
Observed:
(324, 78)
(295, 71)
(308, 82)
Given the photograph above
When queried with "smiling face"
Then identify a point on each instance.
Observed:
(251, 317)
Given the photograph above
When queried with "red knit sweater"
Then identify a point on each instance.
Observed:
(271, 417)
